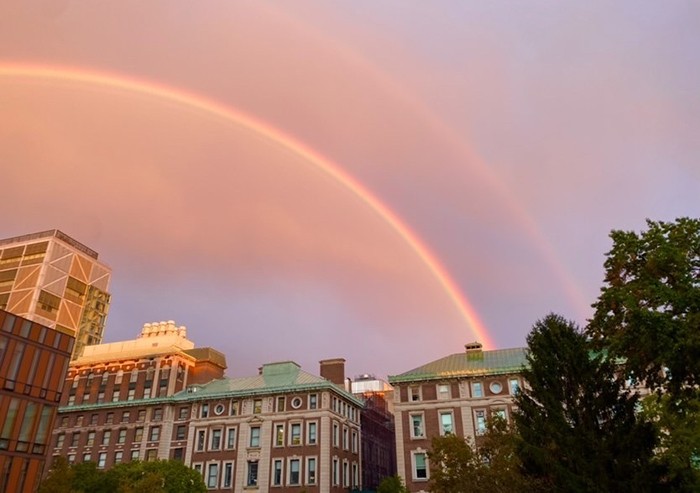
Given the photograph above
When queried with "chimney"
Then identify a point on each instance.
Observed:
(334, 370)
(474, 350)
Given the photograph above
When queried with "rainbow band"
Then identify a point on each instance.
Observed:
(331, 169)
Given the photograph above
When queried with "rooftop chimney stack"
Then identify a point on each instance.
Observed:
(334, 370)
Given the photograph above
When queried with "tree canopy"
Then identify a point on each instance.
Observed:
(579, 431)
(648, 312)
(458, 465)
(167, 476)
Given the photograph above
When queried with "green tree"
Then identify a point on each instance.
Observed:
(648, 312)
(578, 428)
(678, 429)
(130, 477)
(458, 465)
(392, 484)
(166, 476)
(59, 478)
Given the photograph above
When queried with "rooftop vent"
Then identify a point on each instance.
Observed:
(473, 346)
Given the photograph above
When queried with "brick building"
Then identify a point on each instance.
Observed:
(115, 403)
(33, 363)
(455, 394)
(159, 397)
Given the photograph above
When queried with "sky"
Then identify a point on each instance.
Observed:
(378, 181)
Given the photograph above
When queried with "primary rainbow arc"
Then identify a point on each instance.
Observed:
(250, 123)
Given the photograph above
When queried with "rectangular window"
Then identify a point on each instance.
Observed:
(180, 432)
(106, 435)
(178, 454)
(294, 471)
(346, 441)
(110, 418)
(231, 438)
(121, 438)
(443, 391)
(184, 413)
(130, 396)
(336, 434)
(311, 433)
(255, 436)
(346, 474)
(252, 476)
(446, 423)
(87, 457)
(157, 414)
(279, 435)
(151, 454)
(311, 470)
(212, 475)
(215, 439)
(74, 439)
(138, 434)
(480, 422)
(414, 393)
(355, 442)
(513, 385)
(277, 472)
(201, 439)
(335, 472)
(477, 389)
(257, 406)
(420, 469)
(280, 404)
(417, 430)
(142, 415)
(90, 439)
(135, 454)
(204, 411)
(60, 438)
(228, 475)
(118, 457)
(295, 435)
(102, 460)
(313, 401)
(115, 395)
(501, 413)
(154, 434)
(234, 408)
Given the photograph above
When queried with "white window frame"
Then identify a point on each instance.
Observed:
(444, 432)
(250, 437)
(211, 438)
(230, 465)
(308, 470)
(414, 470)
(309, 435)
(513, 385)
(277, 439)
(289, 471)
(413, 427)
(445, 394)
(480, 393)
(231, 430)
(480, 413)
(300, 438)
(215, 483)
(273, 479)
(415, 393)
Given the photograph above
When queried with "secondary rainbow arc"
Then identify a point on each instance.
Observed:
(250, 123)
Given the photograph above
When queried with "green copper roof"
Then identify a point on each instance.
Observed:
(466, 364)
(281, 377)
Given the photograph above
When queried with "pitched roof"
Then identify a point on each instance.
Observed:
(280, 377)
(470, 363)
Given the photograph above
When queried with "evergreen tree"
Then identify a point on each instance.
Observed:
(577, 423)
